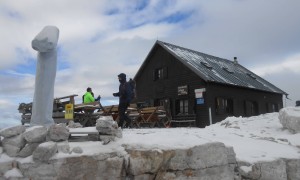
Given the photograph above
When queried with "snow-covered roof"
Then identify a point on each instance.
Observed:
(219, 70)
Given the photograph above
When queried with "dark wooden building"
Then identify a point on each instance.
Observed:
(205, 87)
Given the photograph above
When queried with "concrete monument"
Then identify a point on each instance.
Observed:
(45, 43)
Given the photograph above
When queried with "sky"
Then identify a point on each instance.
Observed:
(100, 39)
(254, 140)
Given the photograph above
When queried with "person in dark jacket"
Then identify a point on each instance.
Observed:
(124, 95)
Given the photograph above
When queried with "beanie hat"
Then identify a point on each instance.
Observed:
(122, 76)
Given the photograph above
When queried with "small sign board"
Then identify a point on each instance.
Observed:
(69, 111)
(200, 100)
(182, 90)
(199, 92)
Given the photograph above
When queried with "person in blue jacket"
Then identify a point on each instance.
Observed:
(125, 96)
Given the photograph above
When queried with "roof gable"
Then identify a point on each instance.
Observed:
(218, 70)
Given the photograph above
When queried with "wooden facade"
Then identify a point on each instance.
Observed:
(164, 79)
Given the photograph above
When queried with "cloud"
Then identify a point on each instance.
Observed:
(100, 39)
(291, 65)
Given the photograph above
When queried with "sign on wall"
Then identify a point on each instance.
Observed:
(182, 90)
(200, 100)
(199, 92)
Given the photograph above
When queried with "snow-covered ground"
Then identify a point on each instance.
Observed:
(254, 139)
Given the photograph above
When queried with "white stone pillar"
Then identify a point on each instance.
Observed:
(45, 43)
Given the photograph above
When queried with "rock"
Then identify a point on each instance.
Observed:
(77, 150)
(144, 161)
(231, 155)
(6, 166)
(38, 170)
(44, 151)
(13, 145)
(107, 126)
(293, 168)
(58, 132)
(28, 150)
(17, 141)
(111, 168)
(12, 131)
(290, 118)
(35, 134)
(275, 170)
(72, 124)
(11, 150)
(200, 157)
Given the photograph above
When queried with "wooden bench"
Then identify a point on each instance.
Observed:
(151, 117)
(87, 113)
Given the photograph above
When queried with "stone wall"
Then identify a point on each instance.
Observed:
(212, 161)
(208, 161)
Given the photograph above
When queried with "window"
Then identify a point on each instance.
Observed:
(272, 107)
(182, 106)
(251, 108)
(158, 74)
(224, 106)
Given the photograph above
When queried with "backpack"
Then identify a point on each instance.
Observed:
(132, 86)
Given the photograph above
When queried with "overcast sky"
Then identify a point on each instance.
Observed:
(100, 39)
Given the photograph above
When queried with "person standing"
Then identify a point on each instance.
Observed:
(124, 95)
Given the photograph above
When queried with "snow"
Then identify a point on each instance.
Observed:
(254, 139)
(13, 173)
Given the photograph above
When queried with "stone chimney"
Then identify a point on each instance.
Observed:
(235, 60)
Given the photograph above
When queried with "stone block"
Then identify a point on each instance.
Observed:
(44, 151)
(199, 157)
(12, 131)
(275, 170)
(35, 134)
(28, 149)
(145, 161)
(293, 168)
(58, 132)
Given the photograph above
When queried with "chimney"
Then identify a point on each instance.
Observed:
(235, 60)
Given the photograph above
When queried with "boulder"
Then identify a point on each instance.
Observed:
(13, 145)
(107, 126)
(6, 166)
(28, 149)
(12, 131)
(44, 151)
(35, 134)
(17, 141)
(11, 150)
(72, 124)
(58, 132)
